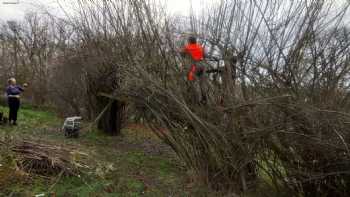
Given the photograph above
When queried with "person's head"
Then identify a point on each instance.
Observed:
(12, 81)
(192, 40)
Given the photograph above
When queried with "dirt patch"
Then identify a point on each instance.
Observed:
(143, 139)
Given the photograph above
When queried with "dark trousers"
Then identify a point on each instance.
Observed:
(14, 106)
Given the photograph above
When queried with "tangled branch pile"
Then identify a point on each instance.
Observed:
(44, 159)
(279, 115)
(288, 143)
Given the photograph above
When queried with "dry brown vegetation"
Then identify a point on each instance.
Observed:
(278, 118)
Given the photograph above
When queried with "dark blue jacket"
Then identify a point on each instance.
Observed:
(14, 90)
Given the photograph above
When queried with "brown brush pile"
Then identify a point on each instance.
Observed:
(282, 140)
(44, 159)
(279, 116)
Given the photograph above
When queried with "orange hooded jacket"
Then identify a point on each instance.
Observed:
(197, 54)
(195, 51)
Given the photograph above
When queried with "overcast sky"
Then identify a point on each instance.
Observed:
(16, 11)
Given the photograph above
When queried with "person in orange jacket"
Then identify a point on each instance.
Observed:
(197, 69)
(196, 53)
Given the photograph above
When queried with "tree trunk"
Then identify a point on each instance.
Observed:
(112, 120)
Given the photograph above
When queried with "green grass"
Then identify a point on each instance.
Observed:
(126, 165)
(30, 121)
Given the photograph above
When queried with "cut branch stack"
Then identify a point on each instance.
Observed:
(44, 159)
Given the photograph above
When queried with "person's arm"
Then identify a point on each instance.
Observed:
(21, 89)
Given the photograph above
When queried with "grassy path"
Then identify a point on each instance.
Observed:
(134, 164)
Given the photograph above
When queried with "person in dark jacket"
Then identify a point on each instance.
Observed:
(13, 96)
